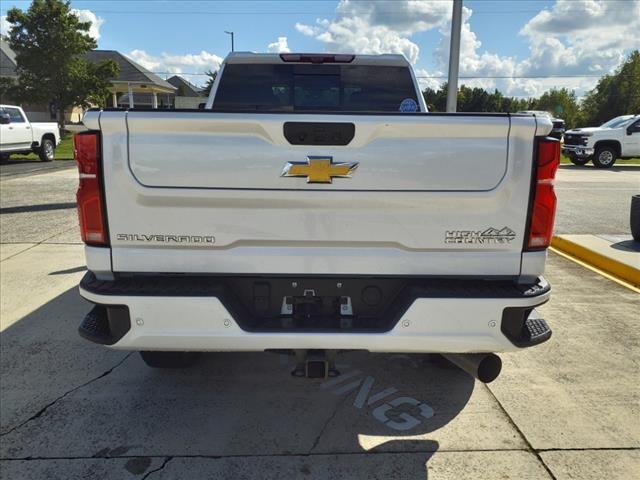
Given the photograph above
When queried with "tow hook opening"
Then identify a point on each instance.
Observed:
(315, 364)
(309, 305)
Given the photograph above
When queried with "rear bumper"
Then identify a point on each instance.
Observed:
(577, 150)
(169, 314)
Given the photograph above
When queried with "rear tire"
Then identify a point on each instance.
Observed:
(604, 157)
(47, 149)
(578, 161)
(170, 359)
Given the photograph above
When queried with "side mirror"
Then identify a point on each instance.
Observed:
(5, 119)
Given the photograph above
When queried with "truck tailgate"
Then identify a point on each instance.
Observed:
(202, 192)
(395, 153)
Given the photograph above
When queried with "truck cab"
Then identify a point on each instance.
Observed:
(19, 135)
(603, 145)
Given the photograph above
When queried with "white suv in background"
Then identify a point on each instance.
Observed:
(603, 145)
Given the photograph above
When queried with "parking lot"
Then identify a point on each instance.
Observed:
(567, 409)
(595, 201)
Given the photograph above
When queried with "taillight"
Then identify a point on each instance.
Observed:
(544, 202)
(90, 211)
(317, 57)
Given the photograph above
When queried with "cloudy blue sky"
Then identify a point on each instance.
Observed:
(522, 47)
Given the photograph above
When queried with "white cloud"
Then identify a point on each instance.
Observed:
(200, 61)
(616, 23)
(403, 16)
(570, 38)
(577, 37)
(279, 46)
(590, 37)
(473, 62)
(428, 79)
(4, 25)
(307, 30)
(147, 61)
(89, 16)
(378, 27)
(353, 34)
(167, 64)
(83, 15)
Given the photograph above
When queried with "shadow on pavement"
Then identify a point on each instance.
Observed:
(64, 397)
(28, 167)
(38, 208)
(69, 270)
(627, 246)
(615, 168)
(15, 160)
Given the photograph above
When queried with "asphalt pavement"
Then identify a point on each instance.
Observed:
(567, 409)
(595, 201)
(25, 167)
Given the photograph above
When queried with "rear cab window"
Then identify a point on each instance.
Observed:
(315, 88)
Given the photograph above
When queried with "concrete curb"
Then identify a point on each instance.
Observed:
(597, 259)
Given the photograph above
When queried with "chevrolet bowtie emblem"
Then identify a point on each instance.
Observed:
(319, 169)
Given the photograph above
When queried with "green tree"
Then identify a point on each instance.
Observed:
(614, 95)
(474, 100)
(562, 103)
(209, 85)
(7, 89)
(50, 43)
(436, 100)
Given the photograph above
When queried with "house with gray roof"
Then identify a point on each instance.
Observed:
(187, 94)
(133, 86)
(7, 60)
(185, 88)
(135, 81)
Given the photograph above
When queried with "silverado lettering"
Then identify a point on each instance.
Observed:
(141, 237)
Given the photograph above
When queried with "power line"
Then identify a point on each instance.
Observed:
(289, 12)
(524, 76)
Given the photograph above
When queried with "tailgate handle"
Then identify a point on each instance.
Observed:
(319, 133)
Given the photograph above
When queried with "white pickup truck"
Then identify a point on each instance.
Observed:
(314, 205)
(603, 145)
(19, 135)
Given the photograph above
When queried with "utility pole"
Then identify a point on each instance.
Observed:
(454, 56)
(230, 33)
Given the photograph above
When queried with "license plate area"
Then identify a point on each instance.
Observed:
(318, 304)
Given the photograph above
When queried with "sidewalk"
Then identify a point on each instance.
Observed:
(617, 255)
